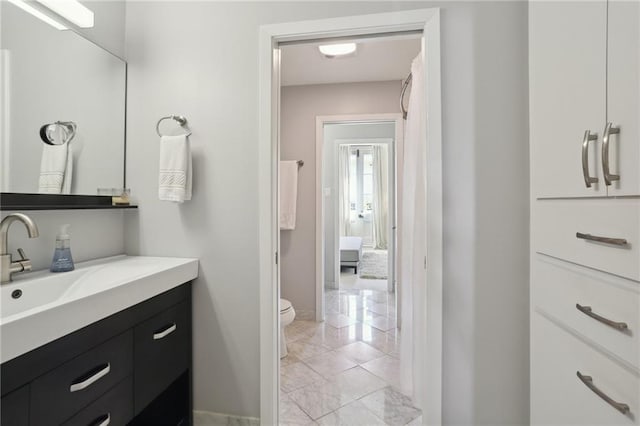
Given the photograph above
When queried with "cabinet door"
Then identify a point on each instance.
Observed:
(567, 80)
(623, 86)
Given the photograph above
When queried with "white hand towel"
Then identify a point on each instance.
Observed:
(175, 169)
(288, 194)
(53, 166)
(68, 172)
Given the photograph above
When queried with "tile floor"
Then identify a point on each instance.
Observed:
(346, 370)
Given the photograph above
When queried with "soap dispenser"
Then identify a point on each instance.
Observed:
(62, 260)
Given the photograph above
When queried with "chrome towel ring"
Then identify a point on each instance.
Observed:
(181, 120)
(69, 129)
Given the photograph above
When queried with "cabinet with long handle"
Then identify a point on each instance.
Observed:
(623, 99)
(567, 97)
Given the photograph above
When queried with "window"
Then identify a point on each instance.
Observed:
(361, 179)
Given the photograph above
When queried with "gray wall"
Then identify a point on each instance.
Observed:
(332, 133)
(300, 106)
(94, 234)
(200, 60)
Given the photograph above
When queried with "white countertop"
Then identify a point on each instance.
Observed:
(53, 305)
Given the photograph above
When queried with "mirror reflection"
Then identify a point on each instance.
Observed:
(62, 119)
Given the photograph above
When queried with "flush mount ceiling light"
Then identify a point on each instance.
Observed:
(35, 12)
(333, 50)
(71, 10)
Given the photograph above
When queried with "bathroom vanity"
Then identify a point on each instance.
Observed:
(131, 366)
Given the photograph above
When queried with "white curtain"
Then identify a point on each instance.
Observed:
(344, 202)
(380, 197)
(413, 239)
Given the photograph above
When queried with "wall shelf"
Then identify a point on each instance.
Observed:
(11, 201)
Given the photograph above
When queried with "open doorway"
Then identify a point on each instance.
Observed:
(354, 334)
(427, 331)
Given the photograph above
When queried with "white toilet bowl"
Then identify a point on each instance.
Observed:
(287, 315)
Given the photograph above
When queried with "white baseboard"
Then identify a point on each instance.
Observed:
(207, 418)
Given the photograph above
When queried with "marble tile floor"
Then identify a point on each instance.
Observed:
(345, 371)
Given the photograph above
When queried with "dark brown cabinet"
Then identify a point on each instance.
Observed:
(133, 367)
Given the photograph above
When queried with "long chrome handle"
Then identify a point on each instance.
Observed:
(606, 240)
(165, 332)
(588, 381)
(589, 312)
(608, 131)
(103, 370)
(103, 420)
(588, 137)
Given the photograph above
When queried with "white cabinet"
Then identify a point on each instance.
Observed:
(623, 95)
(583, 73)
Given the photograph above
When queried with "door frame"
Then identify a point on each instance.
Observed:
(270, 36)
(396, 157)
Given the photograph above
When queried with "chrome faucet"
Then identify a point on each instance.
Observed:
(7, 266)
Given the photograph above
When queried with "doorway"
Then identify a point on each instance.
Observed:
(360, 26)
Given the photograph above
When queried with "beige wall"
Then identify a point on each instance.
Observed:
(300, 107)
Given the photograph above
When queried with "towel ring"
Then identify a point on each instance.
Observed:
(69, 129)
(181, 120)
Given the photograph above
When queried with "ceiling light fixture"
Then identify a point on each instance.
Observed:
(35, 12)
(71, 10)
(333, 50)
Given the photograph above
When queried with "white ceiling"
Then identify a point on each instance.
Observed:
(375, 60)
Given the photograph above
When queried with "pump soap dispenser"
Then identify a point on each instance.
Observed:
(62, 260)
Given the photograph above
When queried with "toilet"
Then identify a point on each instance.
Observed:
(287, 315)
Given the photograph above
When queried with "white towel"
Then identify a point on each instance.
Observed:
(288, 194)
(175, 169)
(56, 169)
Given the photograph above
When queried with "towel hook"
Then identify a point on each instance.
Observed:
(181, 120)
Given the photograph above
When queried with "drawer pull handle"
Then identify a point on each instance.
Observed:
(588, 381)
(608, 131)
(589, 312)
(606, 240)
(162, 333)
(94, 375)
(588, 137)
(103, 420)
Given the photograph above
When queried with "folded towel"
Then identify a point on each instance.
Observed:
(288, 194)
(56, 168)
(175, 169)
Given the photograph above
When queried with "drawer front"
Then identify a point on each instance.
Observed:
(558, 287)
(61, 393)
(14, 409)
(114, 408)
(559, 397)
(161, 353)
(556, 223)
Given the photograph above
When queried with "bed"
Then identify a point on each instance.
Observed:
(350, 252)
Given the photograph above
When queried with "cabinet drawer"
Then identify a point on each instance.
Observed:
(559, 397)
(556, 222)
(59, 394)
(162, 353)
(114, 408)
(559, 286)
(15, 408)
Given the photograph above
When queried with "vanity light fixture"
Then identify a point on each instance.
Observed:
(35, 12)
(333, 50)
(71, 10)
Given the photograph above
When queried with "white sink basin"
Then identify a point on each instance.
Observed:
(40, 307)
